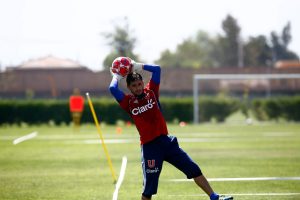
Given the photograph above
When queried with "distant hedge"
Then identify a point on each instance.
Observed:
(287, 108)
(174, 109)
(209, 108)
(108, 110)
(34, 112)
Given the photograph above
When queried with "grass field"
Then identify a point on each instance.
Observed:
(62, 164)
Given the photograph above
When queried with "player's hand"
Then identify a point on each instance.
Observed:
(136, 67)
(116, 76)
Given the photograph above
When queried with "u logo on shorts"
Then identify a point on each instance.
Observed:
(151, 163)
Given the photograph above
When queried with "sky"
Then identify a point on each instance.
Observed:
(73, 29)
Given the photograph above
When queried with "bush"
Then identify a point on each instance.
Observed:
(217, 108)
(209, 108)
(277, 108)
(34, 112)
(109, 111)
(177, 109)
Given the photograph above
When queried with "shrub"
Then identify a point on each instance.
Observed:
(275, 108)
(108, 110)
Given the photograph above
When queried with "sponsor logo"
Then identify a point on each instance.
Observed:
(152, 171)
(144, 108)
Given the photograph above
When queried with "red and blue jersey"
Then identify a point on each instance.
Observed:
(145, 111)
(157, 146)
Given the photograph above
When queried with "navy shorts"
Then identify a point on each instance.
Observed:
(164, 148)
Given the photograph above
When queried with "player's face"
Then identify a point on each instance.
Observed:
(136, 87)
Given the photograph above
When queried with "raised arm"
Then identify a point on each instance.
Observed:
(114, 89)
(155, 69)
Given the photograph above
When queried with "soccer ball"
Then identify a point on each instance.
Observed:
(121, 66)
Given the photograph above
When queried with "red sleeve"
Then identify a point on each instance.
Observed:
(124, 103)
(154, 87)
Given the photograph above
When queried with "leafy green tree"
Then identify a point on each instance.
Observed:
(194, 52)
(286, 35)
(202, 50)
(280, 44)
(227, 49)
(205, 51)
(257, 52)
(207, 44)
(121, 42)
(168, 59)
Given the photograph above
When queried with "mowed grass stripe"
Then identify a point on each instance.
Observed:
(244, 194)
(66, 168)
(242, 179)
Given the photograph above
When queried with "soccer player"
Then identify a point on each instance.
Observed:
(157, 145)
(76, 104)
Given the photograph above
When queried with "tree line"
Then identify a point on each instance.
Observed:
(227, 49)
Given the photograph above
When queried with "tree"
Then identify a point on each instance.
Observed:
(202, 50)
(194, 52)
(227, 52)
(121, 43)
(168, 59)
(286, 35)
(280, 44)
(257, 52)
(207, 44)
(188, 53)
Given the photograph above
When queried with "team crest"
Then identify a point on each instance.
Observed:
(151, 163)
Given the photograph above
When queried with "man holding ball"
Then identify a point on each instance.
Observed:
(157, 145)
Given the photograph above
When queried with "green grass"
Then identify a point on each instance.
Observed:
(59, 165)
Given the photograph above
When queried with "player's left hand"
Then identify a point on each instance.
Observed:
(117, 76)
(136, 67)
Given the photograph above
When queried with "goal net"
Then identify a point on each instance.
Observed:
(263, 79)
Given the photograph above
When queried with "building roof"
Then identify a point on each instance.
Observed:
(49, 62)
(287, 64)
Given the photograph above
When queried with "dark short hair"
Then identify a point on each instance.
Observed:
(133, 77)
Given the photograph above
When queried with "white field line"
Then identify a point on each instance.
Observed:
(25, 137)
(242, 179)
(121, 177)
(240, 194)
